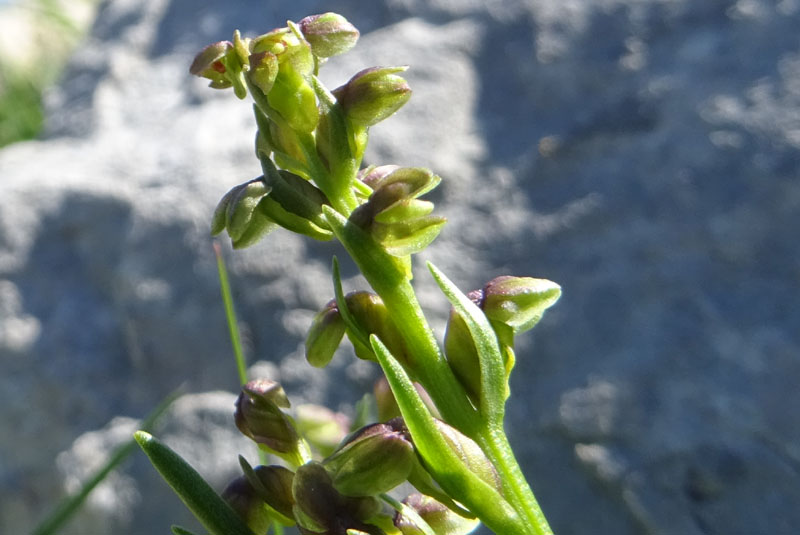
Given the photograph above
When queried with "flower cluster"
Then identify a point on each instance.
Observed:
(341, 491)
(439, 407)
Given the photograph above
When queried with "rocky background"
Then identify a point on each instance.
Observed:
(645, 154)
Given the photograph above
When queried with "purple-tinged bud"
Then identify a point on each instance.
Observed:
(371, 314)
(438, 516)
(321, 427)
(208, 64)
(373, 175)
(237, 212)
(244, 499)
(320, 508)
(373, 460)
(258, 416)
(518, 302)
(373, 94)
(329, 34)
(325, 335)
(274, 485)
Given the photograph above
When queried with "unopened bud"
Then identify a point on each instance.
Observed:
(371, 314)
(438, 516)
(237, 212)
(373, 175)
(373, 94)
(258, 416)
(329, 34)
(244, 499)
(518, 302)
(274, 486)
(471, 454)
(208, 64)
(325, 335)
(462, 355)
(320, 508)
(373, 460)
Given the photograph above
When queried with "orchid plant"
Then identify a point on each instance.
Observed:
(440, 407)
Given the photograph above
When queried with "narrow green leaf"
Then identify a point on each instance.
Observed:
(209, 508)
(57, 519)
(446, 467)
(493, 377)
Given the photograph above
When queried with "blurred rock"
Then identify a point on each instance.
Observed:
(643, 154)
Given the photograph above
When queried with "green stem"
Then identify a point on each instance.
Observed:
(428, 364)
(494, 443)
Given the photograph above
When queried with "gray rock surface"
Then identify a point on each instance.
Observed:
(643, 154)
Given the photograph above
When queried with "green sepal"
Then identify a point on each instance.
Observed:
(275, 212)
(408, 237)
(404, 210)
(263, 70)
(441, 461)
(293, 97)
(324, 336)
(494, 387)
(280, 509)
(209, 508)
(295, 194)
(180, 530)
(267, 144)
(241, 207)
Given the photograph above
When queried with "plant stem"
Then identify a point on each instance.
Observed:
(494, 443)
(390, 283)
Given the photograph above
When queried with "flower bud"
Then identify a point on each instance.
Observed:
(274, 485)
(438, 516)
(244, 499)
(373, 175)
(237, 212)
(373, 94)
(258, 416)
(471, 454)
(462, 355)
(372, 460)
(329, 34)
(325, 335)
(373, 317)
(319, 508)
(208, 64)
(518, 302)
